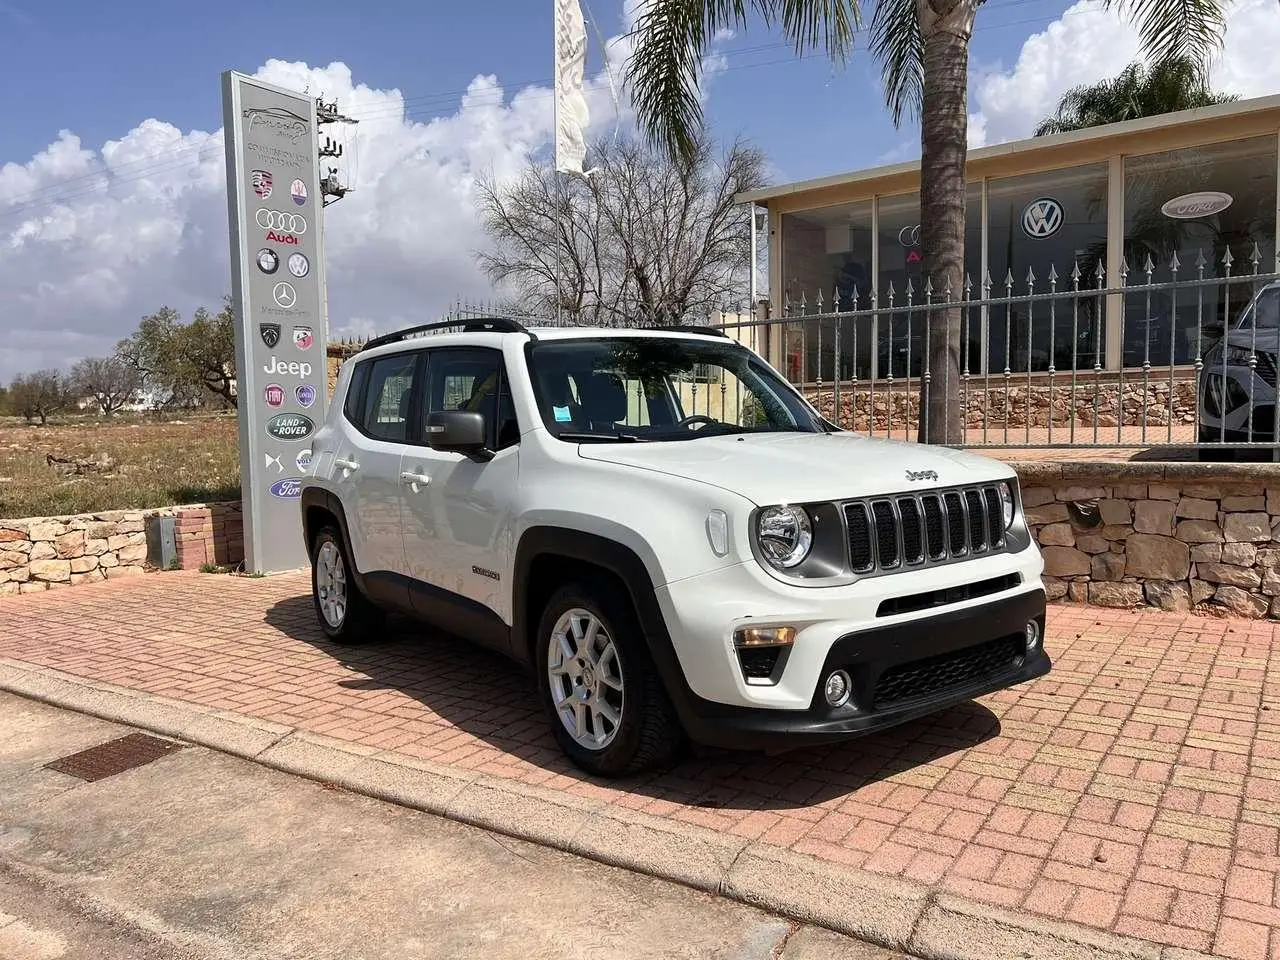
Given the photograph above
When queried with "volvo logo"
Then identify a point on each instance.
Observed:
(1042, 218)
(290, 426)
(922, 475)
(291, 223)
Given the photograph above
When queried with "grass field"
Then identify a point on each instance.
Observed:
(157, 464)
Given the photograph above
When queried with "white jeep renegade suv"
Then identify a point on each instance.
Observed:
(669, 535)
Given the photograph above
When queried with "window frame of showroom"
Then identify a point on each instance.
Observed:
(1115, 160)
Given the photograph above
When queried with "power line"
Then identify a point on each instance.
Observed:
(89, 184)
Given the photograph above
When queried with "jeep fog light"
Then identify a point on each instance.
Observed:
(764, 636)
(1033, 635)
(837, 688)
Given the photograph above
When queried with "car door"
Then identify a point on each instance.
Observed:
(458, 510)
(366, 470)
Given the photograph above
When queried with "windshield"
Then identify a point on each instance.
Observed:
(1265, 312)
(651, 388)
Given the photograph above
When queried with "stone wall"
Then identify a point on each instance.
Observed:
(1178, 536)
(1019, 405)
(44, 553)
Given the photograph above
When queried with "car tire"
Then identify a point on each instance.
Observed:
(345, 614)
(627, 722)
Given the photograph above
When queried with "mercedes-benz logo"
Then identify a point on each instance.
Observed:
(1042, 218)
(292, 223)
(284, 294)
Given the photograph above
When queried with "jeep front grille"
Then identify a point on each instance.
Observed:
(918, 530)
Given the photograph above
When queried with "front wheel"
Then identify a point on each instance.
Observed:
(345, 614)
(608, 708)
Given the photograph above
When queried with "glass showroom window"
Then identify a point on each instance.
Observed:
(901, 333)
(1054, 219)
(1200, 201)
(827, 252)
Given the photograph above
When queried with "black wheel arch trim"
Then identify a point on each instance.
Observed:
(626, 565)
(320, 498)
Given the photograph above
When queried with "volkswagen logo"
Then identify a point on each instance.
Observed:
(294, 223)
(1042, 218)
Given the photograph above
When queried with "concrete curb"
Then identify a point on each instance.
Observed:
(891, 913)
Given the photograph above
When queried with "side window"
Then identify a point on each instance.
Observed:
(354, 404)
(388, 397)
(474, 379)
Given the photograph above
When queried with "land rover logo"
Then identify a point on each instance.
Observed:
(922, 475)
(290, 426)
(1189, 206)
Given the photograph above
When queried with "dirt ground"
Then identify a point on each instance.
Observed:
(154, 464)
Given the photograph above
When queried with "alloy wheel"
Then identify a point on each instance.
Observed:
(331, 584)
(586, 678)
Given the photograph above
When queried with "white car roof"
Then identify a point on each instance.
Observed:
(495, 338)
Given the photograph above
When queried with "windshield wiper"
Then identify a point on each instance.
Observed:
(606, 437)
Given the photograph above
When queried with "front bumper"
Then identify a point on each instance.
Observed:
(900, 672)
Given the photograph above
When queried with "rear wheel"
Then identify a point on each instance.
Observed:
(609, 711)
(345, 614)
(1210, 449)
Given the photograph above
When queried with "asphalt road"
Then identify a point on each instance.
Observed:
(199, 855)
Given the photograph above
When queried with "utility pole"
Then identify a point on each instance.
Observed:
(331, 188)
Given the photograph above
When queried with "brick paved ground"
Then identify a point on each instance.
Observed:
(1135, 789)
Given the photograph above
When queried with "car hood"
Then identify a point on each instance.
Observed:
(802, 467)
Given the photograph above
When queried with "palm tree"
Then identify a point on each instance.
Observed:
(1141, 90)
(922, 47)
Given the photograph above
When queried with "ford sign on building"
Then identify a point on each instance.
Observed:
(1162, 202)
(277, 279)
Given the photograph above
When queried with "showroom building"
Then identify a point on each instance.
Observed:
(1198, 183)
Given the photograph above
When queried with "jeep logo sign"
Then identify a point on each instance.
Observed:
(290, 426)
(289, 488)
(1189, 206)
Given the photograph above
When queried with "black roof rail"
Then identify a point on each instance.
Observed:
(689, 328)
(468, 325)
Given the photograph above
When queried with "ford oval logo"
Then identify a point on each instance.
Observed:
(290, 426)
(1189, 206)
(290, 488)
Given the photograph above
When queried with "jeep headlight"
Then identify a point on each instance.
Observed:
(1006, 502)
(785, 535)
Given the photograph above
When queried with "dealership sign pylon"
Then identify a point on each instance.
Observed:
(277, 281)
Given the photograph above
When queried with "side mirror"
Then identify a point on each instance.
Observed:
(460, 431)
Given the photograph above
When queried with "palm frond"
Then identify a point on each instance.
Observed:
(673, 36)
(1177, 28)
(897, 44)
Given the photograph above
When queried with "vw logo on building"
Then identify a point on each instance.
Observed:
(294, 223)
(1042, 218)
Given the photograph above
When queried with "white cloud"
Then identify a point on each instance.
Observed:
(1088, 43)
(91, 240)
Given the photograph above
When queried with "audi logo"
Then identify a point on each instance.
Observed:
(294, 223)
(909, 236)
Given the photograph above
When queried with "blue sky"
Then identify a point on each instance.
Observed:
(118, 64)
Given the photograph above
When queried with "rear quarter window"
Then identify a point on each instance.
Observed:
(354, 402)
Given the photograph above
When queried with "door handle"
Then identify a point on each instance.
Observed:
(346, 464)
(414, 478)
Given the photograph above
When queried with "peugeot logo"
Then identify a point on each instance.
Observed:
(1042, 218)
(294, 223)
(922, 475)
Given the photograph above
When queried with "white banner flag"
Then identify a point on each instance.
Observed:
(570, 102)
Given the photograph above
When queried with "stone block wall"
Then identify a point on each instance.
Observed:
(1178, 536)
(45, 553)
(994, 405)
(337, 351)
